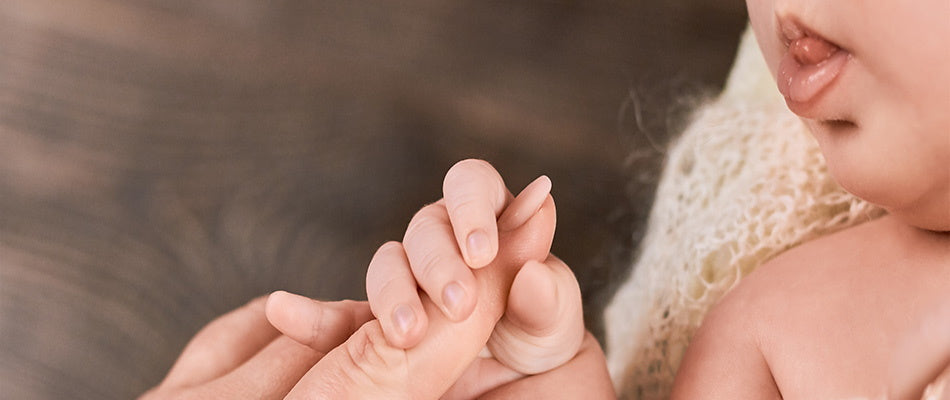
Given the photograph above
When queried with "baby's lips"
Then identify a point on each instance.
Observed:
(809, 67)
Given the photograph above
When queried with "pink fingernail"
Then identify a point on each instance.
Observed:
(404, 318)
(452, 297)
(526, 204)
(478, 247)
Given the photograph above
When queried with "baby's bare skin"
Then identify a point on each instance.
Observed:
(823, 320)
(830, 318)
(835, 310)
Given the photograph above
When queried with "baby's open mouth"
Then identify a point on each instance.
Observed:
(809, 66)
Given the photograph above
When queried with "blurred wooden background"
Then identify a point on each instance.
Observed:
(163, 161)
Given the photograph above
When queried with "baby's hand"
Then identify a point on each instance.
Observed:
(528, 312)
(542, 327)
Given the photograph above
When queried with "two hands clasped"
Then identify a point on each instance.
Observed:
(470, 304)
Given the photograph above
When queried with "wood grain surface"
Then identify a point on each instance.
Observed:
(164, 161)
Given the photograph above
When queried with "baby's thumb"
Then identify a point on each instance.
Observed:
(543, 325)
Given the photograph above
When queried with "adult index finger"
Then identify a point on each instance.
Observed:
(222, 345)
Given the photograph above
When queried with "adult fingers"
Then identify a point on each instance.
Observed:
(437, 264)
(316, 324)
(922, 355)
(525, 205)
(222, 345)
(366, 366)
(269, 374)
(394, 297)
(475, 194)
(543, 326)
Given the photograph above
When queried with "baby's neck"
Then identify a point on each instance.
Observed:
(916, 238)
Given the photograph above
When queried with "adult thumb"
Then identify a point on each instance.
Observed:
(367, 366)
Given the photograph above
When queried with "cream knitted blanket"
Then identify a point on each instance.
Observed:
(743, 183)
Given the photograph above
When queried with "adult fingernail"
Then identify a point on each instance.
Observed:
(404, 318)
(479, 248)
(525, 205)
(452, 297)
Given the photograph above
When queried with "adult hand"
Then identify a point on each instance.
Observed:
(253, 363)
(240, 355)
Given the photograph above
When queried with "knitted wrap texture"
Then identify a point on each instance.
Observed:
(744, 182)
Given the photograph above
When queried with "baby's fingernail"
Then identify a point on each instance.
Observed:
(452, 297)
(404, 318)
(525, 205)
(479, 248)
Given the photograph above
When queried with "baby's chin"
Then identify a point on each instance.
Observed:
(915, 201)
(931, 213)
(908, 179)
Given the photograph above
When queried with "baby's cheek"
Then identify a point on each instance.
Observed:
(760, 15)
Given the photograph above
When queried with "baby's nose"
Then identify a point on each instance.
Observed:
(809, 50)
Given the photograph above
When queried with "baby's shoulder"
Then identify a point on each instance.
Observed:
(877, 259)
(786, 319)
(836, 302)
(833, 267)
(812, 271)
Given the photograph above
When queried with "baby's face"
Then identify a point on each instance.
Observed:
(871, 79)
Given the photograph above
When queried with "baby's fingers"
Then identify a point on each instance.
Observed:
(437, 264)
(475, 195)
(394, 297)
(543, 326)
(368, 366)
